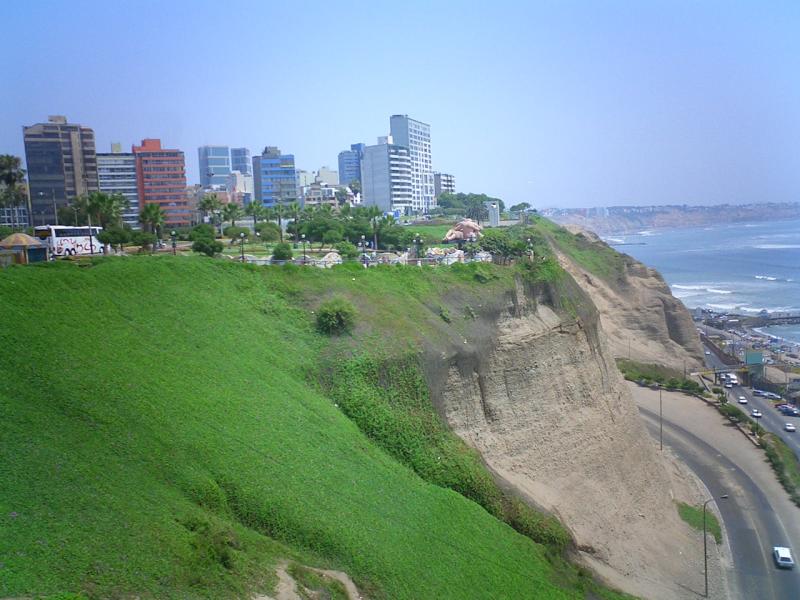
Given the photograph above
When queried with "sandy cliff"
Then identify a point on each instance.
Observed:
(640, 317)
(543, 402)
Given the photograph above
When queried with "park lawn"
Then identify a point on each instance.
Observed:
(162, 437)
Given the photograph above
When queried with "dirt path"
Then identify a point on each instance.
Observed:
(287, 588)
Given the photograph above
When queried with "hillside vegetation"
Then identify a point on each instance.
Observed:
(166, 432)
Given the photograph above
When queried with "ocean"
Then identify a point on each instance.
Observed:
(742, 268)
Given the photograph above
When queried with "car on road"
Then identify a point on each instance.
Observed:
(772, 396)
(756, 414)
(790, 427)
(729, 385)
(783, 557)
(758, 392)
(708, 353)
(742, 400)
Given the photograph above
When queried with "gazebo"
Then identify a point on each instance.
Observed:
(23, 249)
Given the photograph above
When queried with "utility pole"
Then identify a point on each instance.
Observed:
(660, 422)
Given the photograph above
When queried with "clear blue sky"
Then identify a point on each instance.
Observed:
(556, 103)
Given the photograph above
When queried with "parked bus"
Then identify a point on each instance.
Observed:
(64, 240)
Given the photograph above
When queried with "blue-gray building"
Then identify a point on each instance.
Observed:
(350, 164)
(278, 180)
(215, 165)
(241, 161)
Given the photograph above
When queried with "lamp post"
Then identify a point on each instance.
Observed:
(530, 248)
(705, 541)
(363, 245)
(417, 249)
(303, 239)
(241, 243)
(660, 421)
(174, 236)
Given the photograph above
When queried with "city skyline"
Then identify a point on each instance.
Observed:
(569, 105)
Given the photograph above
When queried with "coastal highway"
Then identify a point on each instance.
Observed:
(772, 420)
(754, 521)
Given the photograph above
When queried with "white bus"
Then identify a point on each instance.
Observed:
(64, 240)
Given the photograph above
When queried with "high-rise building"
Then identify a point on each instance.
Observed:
(304, 177)
(240, 188)
(257, 178)
(61, 163)
(443, 183)
(386, 178)
(350, 164)
(161, 179)
(241, 161)
(416, 136)
(327, 176)
(278, 177)
(116, 171)
(215, 165)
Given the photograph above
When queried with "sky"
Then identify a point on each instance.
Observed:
(555, 103)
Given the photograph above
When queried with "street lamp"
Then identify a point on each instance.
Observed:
(705, 541)
(660, 421)
(241, 243)
(530, 248)
(174, 235)
(417, 249)
(363, 245)
(303, 239)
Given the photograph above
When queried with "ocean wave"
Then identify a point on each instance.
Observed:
(725, 306)
(766, 277)
(614, 240)
(777, 246)
(647, 232)
(701, 288)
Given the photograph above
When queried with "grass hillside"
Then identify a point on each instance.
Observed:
(165, 434)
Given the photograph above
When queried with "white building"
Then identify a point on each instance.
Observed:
(416, 136)
(386, 178)
(443, 183)
(304, 178)
(116, 173)
(327, 176)
(240, 188)
(317, 194)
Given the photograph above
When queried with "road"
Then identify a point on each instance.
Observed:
(772, 420)
(756, 515)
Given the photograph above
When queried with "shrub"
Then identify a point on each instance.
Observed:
(445, 314)
(269, 231)
(347, 250)
(202, 231)
(231, 231)
(282, 252)
(336, 316)
(143, 239)
(207, 246)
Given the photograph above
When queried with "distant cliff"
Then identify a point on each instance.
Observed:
(641, 318)
(629, 219)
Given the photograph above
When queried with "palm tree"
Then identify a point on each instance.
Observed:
(373, 213)
(293, 211)
(152, 217)
(11, 176)
(102, 209)
(257, 211)
(231, 212)
(209, 205)
(278, 211)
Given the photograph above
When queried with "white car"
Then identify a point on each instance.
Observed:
(782, 557)
(708, 353)
(729, 385)
(756, 414)
(742, 400)
(790, 427)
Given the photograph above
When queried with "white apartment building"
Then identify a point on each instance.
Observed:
(416, 136)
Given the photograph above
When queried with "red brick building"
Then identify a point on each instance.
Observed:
(161, 179)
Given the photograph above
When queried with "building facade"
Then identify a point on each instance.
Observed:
(241, 161)
(61, 162)
(443, 183)
(317, 194)
(416, 136)
(386, 180)
(240, 188)
(215, 166)
(327, 176)
(116, 171)
(161, 179)
(278, 177)
(350, 164)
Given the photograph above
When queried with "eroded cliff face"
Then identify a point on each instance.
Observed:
(546, 407)
(640, 317)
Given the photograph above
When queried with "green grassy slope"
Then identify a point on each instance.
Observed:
(160, 435)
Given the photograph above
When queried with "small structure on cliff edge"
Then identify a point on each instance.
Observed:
(464, 231)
